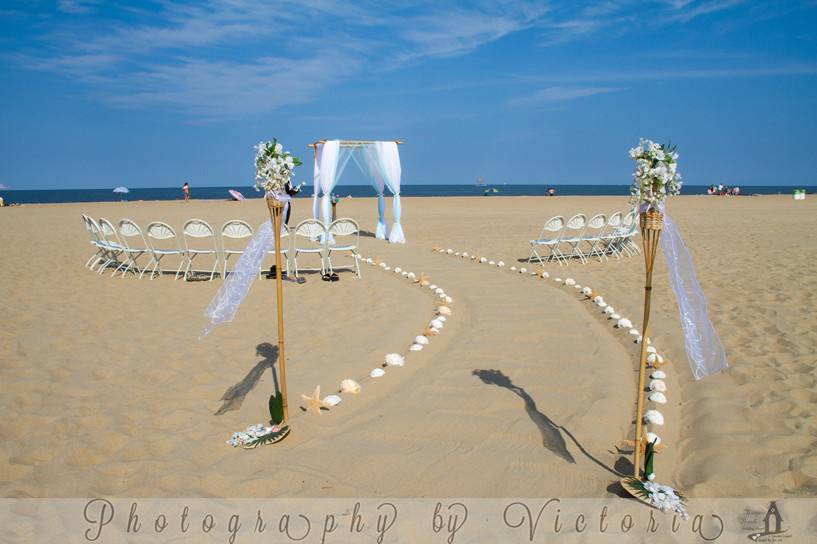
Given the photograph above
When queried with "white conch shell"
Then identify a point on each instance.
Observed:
(577, 287)
(609, 310)
(500, 264)
(436, 324)
(421, 340)
(633, 332)
(404, 273)
(615, 317)
(651, 358)
(523, 270)
(386, 268)
(433, 331)
(448, 300)
(449, 251)
(331, 400)
(491, 262)
(397, 269)
(602, 304)
(658, 385)
(652, 437)
(457, 254)
(658, 398)
(377, 373)
(432, 286)
(382, 265)
(557, 280)
(350, 386)
(586, 291)
(624, 323)
(395, 359)
(411, 275)
(439, 291)
(545, 275)
(654, 416)
(369, 260)
(651, 349)
(482, 259)
(658, 375)
(464, 254)
(513, 269)
(416, 347)
(570, 281)
(444, 310)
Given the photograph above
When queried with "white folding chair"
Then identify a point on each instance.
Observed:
(112, 243)
(575, 224)
(194, 232)
(285, 232)
(235, 229)
(131, 236)
(309, 236)
(344, 235)
(163, 241)
(555, 225)
(610, 236)
(629, 227)
(592, 235)
(96, 241)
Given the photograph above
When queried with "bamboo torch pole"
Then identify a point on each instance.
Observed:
(276, 209)
(652, 221)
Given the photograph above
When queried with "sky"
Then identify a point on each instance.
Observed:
(150, 94)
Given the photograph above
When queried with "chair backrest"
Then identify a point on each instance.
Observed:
(161, 231)
(345, 227)
(614, 221)
(197, 229)
(311, 229)
(597, 222)
(576, 223)
(630, 222)
(129, 229)
(108, 231)
(236, 228)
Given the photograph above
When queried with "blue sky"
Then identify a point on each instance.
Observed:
(150, 94)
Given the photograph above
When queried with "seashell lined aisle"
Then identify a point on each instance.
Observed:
(656, 393)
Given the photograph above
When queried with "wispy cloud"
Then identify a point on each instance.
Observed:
(76, 6)
(560, 94)
(687, 11)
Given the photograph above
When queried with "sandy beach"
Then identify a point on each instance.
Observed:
(105, 388)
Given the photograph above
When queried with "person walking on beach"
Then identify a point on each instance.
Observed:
(186, 191)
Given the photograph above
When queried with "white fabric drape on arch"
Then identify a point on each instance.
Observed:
(385, 157)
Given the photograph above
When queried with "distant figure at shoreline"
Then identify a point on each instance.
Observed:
(550, 192)
(186, 191)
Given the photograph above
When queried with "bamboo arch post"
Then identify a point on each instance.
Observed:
(652, 221)
(276, 209)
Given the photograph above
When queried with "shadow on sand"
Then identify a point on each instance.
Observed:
(552, 438)
(233, 397)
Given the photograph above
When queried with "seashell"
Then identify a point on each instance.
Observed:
(473, 257)
(350, 386)
(658, 398)
(422, 340)
(395, 359)
(533, 273)
(397, 269)
(439, 291)
(444, 310)
(577, 287)
(658, 375)
(377, 373)
(659, 359)
(482, 259)
(652, 437)
(404, 273)
(369, 260)
(587, 291)
(570, 281)
(545, 275)
(448, 300)
(382, 265)
(431, 332)
(491, 262)
(424, 283)
(440, 318)
(651, 358)
(464, 254)
(651, 349)
(615, 317)
(657, 385)
(638, 340)
(411, 275)
(633, 332)
(416, 347)
(513, 269)
(557, 280)
(457, 254)
(432, 286)
(386, 268)
(331, 400)
(449, 251)
(624, 323)
(654, 416)
(523, 270)
(436, 324)
(609, 310)
(602, 305)
(500, 264)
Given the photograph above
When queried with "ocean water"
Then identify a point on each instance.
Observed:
(220, 193)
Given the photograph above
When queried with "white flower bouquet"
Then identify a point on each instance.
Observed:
(273, 167)
(663, 497)
(656, 175)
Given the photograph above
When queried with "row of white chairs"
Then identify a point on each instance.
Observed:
(582, 238)
(122, 247)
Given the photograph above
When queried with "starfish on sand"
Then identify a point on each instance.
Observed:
(314, 403)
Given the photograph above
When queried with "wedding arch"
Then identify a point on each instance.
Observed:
(378, 160)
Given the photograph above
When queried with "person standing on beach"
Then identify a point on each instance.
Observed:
(186, 191)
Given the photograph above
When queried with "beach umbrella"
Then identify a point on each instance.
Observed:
(121, 190)
(235, 194)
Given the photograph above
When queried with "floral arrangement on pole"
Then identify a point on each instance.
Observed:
(273, 168)
(656, 174)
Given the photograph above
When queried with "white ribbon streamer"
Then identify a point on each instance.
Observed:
(703, 346)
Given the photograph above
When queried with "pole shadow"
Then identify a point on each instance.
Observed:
(233, 397)
(552, 438)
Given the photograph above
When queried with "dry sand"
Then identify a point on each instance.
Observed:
(105, 389)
